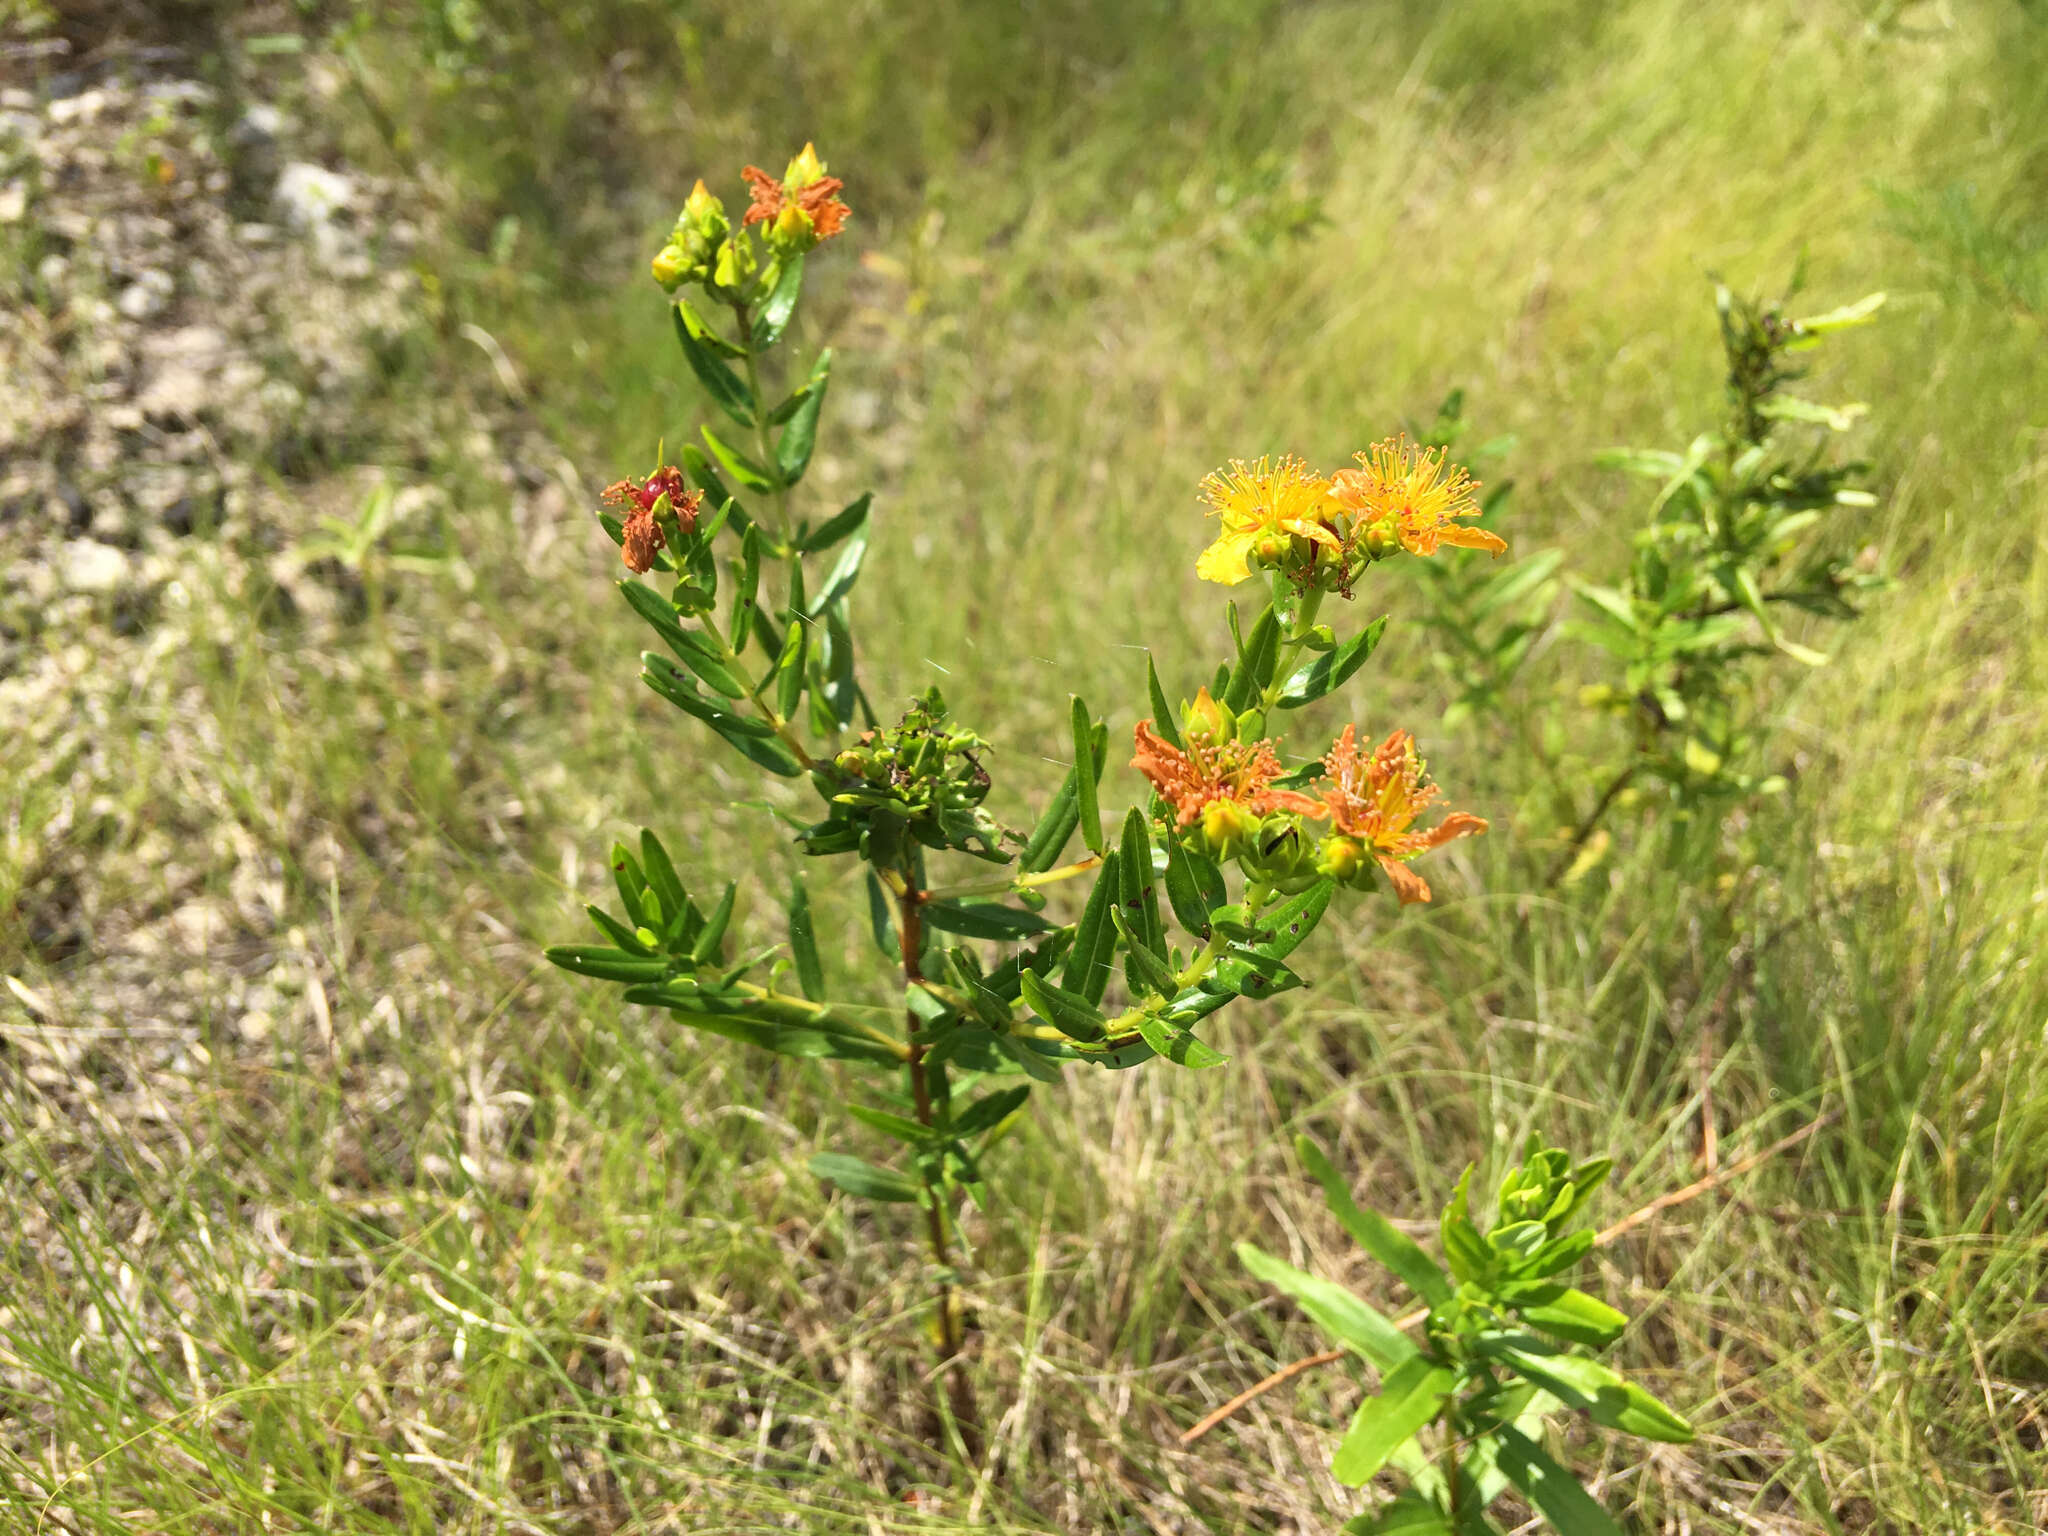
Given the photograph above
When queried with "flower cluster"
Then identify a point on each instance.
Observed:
(1226, 793)
(644, 507)
(799, 212)
(1321, 531)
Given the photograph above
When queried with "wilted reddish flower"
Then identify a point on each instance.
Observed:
(1376, 800)
(1238, 772)
(641, 536)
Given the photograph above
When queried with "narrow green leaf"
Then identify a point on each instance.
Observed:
(607, 963)
(632, 888)
(1255, 659)
(1599, 1391)
(1087, 968)
(1163, 720)
(1144, 968)
(754, 476)
(1465, 1251)
(1140, 891)
(864, 1179)
(1410, 1396)
(838, 526)
(1288, 924)
(1194, 886)
(793, 448)
(723, 385)
(1374, 1233)
(803, 941)
(1069, 1012)
(845, 572)
(1177, 1045)
(882, 919)
(708, 941)
(1554, 1492)
(747, 592)
(1333, 669)
(983, 919)
(1084, 779)
(1348, 1319)
(789, 668)
(625, 938)
(985, 1114)
(1573, 1315)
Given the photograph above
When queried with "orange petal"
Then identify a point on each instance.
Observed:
(1408, 885)
(1457, 824)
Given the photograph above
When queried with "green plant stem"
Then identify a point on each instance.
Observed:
(1018, 882)
(1297, 637)
(951, 1335)
(790, 739)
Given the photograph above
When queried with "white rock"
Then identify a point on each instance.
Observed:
(90, 566)
(309, 196)
(13, 201)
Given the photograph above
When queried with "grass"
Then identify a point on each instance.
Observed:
(456, 1246)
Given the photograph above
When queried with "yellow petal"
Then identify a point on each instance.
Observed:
(1472, 538)
(1224, 561)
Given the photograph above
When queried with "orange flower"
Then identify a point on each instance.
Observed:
(1376, 800)
(1411, 494)
(640, 536)
(800, 210)
(1237, 773)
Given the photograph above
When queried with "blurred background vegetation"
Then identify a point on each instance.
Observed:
(444, 1242)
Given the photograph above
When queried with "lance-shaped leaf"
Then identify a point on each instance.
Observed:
(1350, 1320)
(843, 522)
(1162, 712)
(775, 312)
(1194, 886)
(1283, 928)
(753, 739)
(1599, 1391)
(983, 919)
(747, 471)
(1333, 669)
(720, 382)
(1087, 969)
(793, 448)
(1069, 1012)
(1175, 1043)
(1407, 1514)
(1410, 1395)
(858, 1177)
(607, 963)
(1255, 660)
(789, 668)
(628, 939)
(901, 1127)
(985, 1114)
(696, 653)
(1569, 1314)
(706, 948)
(803, 941)
(1374, 1233)
(1140, 891)
(1084, 778)
(1554, 1492)
(632, 888)
(661, 874)
(746, 594)
(845, 572)
(1049, 838)
(1144, 967)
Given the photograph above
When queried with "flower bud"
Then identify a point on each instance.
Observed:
(1280, 855)
(705, 214)
(804, 169)
(1341, 858)
(852, 762)
(672, 267)
(1227, 828)
(1381, 540)
(791, 232)
(1206, 722)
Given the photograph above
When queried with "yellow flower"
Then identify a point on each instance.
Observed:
(1262, 504)
(1376, 799)
(1410, 494)
(1206, 774)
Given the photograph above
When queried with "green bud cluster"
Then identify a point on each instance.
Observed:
(922, 776)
